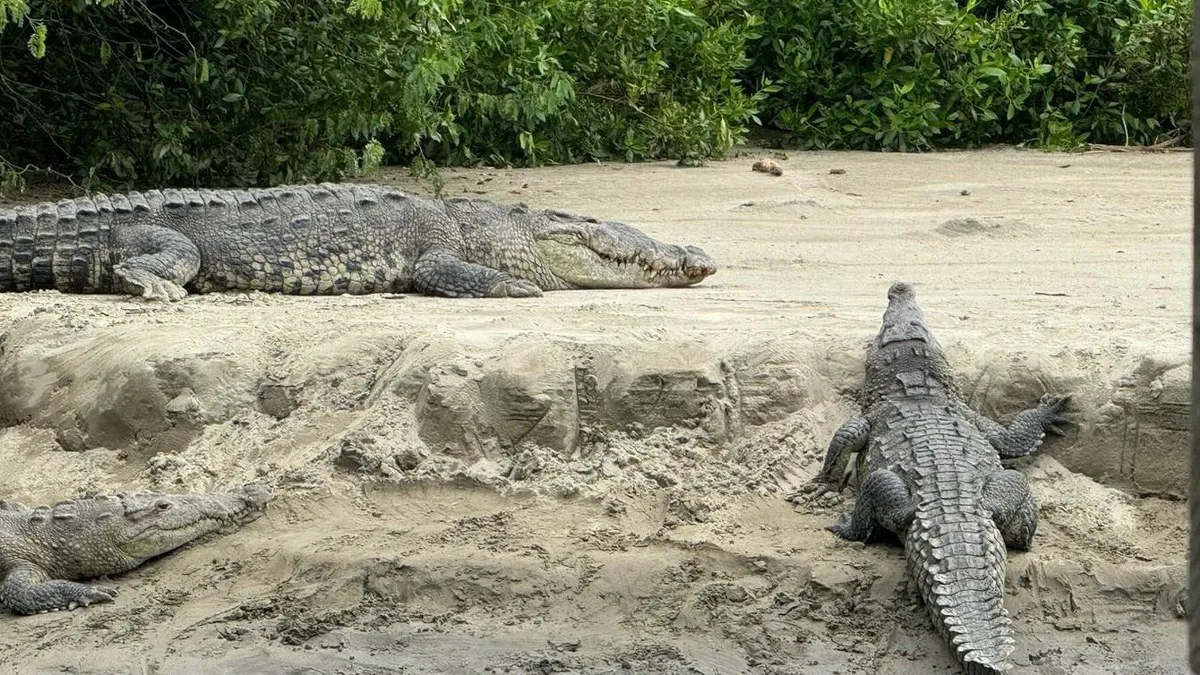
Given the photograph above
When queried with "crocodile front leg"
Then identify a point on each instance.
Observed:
(884, 501)
(1007, 497)
(155, 262)
(1025, 433)
(443, 273)
(850, 438)
(29, 590)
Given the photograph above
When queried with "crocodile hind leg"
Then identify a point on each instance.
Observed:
(444, 273)
(850, 438)
(28, 590)
(884, 501)
(1025, 432)
(155, 262)
(1006, 496)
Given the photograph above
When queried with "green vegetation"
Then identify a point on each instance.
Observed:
(237, 92)
(911, 74)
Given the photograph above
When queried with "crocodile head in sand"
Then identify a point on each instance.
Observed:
(41, 549)
(583, 252)
(152, 524)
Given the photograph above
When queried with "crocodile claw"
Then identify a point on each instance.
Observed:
(842, 528)
(812, 491)
(1054, 405)
(77, 595)
(1055, 402)
(515, 288)
(147, 285)
(96, 594)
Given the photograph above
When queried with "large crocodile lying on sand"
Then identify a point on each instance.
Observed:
(42, 549)
(931, 475)
(325, 239)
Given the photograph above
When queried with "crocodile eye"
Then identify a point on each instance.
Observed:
(163, 506)
(567, 236)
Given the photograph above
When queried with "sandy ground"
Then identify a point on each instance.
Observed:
(592, 482)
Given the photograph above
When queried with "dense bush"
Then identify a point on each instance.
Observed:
(262, 91)
(572, 80)
(908, 74)
(237, 91)
(139, 92)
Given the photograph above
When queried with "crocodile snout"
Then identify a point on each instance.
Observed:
(902, 290)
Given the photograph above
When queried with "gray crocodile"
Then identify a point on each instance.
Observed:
(931, 476)
(325, 239)
(43, 549)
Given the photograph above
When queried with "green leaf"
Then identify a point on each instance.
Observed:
(37, 41)
(231, 97)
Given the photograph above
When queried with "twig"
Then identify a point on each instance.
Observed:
(1124, 124)
(636, 108)
(1161, 146)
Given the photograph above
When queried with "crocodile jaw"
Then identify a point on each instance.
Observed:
(581, 267)
(586, 253)
(155, 524)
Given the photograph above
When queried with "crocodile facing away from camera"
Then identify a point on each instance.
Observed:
(42, 550)
(929, 472)
(325, 239)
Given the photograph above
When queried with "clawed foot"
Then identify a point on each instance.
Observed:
(1053, 405)
(514, 288)
(152, 287)
(93, 595)
(842, 528)
(845, 530)
(69, 595)
(812, 491)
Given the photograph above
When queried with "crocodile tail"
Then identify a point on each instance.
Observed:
(62, 245)
(957, 557)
